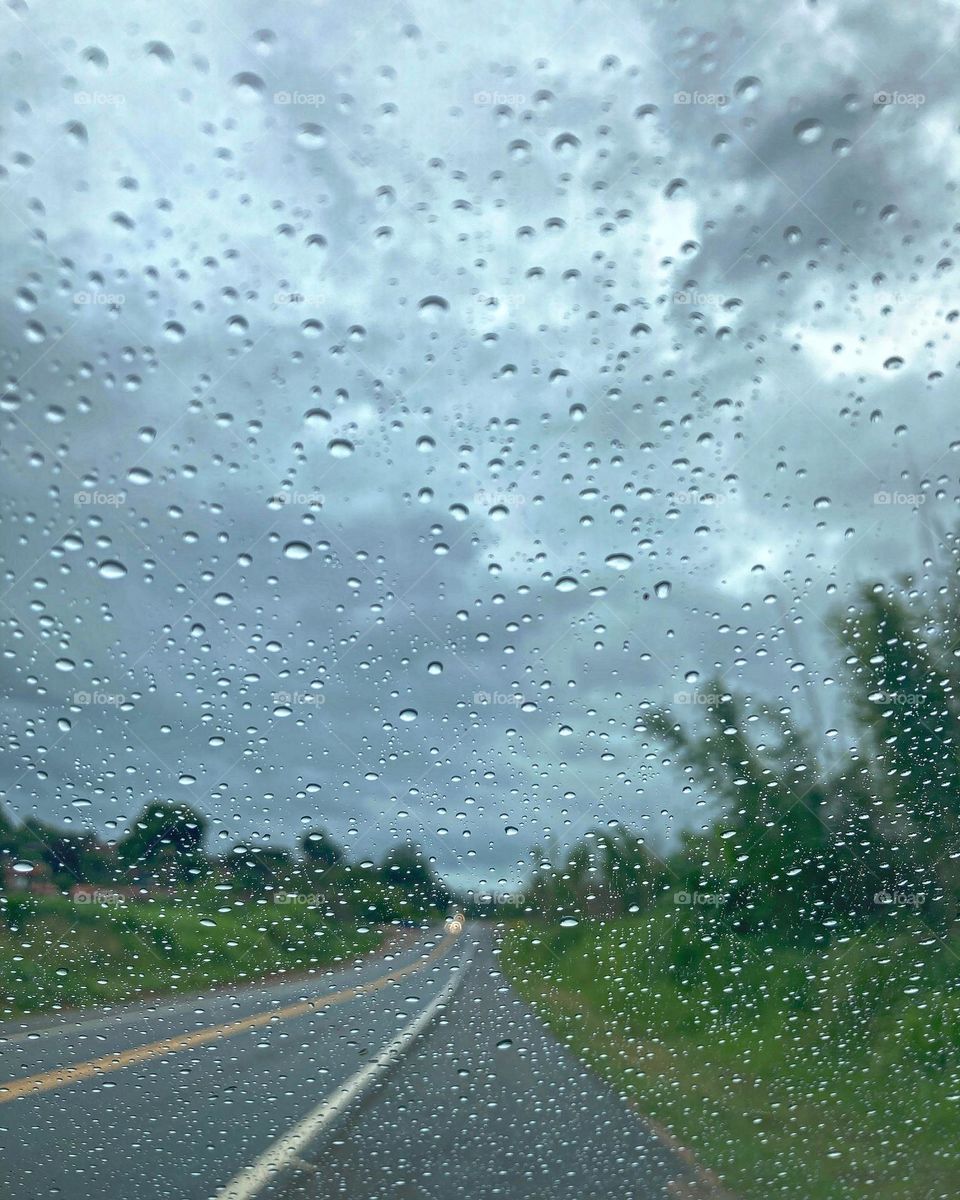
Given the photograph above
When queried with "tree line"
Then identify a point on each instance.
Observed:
(810, 828)
(163, 854)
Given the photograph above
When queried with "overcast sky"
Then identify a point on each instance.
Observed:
(398, 397)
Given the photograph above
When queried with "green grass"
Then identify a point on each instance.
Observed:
(57, 954)
(831, 1074)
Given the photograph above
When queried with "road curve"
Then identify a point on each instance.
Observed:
(417, 1073)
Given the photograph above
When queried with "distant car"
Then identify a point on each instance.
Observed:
(455, 922)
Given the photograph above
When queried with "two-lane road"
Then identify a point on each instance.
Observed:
(412, 1074)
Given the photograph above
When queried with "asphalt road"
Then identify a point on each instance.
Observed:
(412, 1074)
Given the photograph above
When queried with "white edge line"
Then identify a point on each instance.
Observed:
(285, 1150)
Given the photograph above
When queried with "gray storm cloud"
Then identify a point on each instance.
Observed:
(366, 373)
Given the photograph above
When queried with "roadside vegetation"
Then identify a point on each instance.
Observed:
(787, 1074)
(56, 954)
(84, 921)
(781, 991)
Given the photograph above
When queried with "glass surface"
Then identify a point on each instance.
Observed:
(481, 637)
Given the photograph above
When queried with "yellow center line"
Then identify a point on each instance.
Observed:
(48, 1081)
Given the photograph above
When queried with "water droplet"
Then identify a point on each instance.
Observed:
(111, 569)
(93, 56)
(433, 307)
(159, 52)
(748, 88)
(566, 144)
(76, 131)
(519, 150)
(808, 132)
(249, 87)
(296, 550)
(340, 448)
(311, 136)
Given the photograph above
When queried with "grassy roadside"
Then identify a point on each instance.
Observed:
(833, 1075)
(54, 953)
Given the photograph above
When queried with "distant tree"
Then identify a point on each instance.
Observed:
(404, 867)
(262, 869)
(632, 875)
(905, 683)
(80, 857)
(320, 850)
(6, 829)
(165, 842)
(774, 854)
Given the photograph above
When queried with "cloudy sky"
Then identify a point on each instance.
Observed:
(398, 397)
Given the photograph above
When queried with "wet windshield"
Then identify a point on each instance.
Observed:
(480, 661)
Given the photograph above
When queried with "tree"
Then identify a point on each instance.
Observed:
(405, 867)
(774, 856)
(320, 850)
(905, 680)
(165, 842)
(262, 869)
